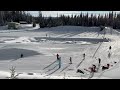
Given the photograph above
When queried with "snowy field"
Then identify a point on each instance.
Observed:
(39, 47)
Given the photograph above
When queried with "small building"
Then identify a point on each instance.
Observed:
(13, 25)
(23, 22)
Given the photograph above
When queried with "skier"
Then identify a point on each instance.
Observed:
(84, 56)
(70, 60)
(99, 60)
(109, 55)
(94, 68)
(97, 68)
(110, 48)
(57, 56)
(59, 60)
(21, 55)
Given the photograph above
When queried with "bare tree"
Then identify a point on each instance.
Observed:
(13, 73)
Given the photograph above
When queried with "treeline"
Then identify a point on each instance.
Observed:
(111, 19)
(15, 16)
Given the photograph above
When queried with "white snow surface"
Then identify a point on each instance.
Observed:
(39, 47)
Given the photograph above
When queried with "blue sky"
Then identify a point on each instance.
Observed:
(55, 13)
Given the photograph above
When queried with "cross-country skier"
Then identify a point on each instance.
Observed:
(57, 56)
(109, 55)
(21, 55)
(84, 56)
(110, 48)
(70, 60)
(99, 60)
(59, 60)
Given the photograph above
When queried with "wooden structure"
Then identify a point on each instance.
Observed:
(13, 25)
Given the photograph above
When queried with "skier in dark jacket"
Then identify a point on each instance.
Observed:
(21, 55)
(84, 56)
(70, 60)
(110, 48)
(57, 56)
(99, 60)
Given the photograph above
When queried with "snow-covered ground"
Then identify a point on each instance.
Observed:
(39, 47)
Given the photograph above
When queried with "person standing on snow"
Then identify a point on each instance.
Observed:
(21, 55)
(84, 56)
(59, 62)
(109, 52)
(99, 60)
(57, 57)
(109, 55)
(70, 60)
(110, 48)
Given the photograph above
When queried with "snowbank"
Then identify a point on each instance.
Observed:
(21, 40)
